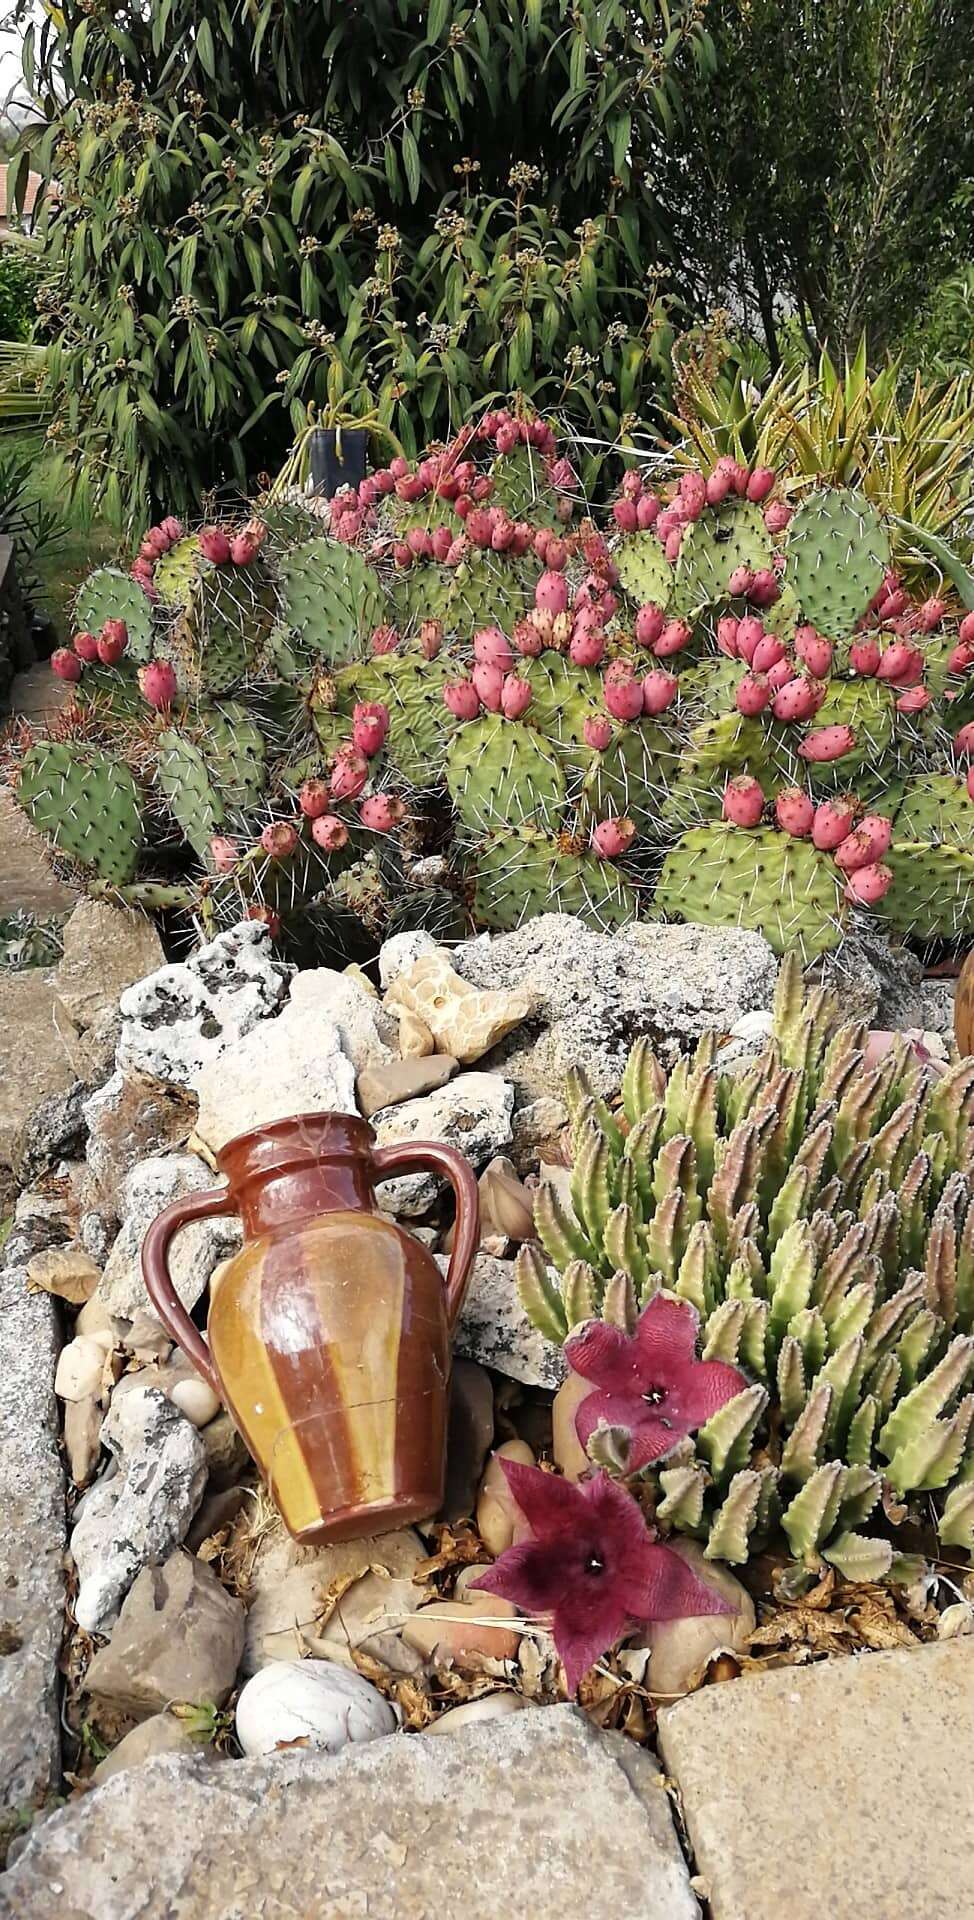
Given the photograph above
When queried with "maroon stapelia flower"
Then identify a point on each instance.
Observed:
(651, 1384)
(592, 1565)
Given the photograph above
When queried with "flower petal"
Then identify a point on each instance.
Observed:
(606, 1356)
(583, 1633)
(701, 1389)
(549, 1504)
(530, 1575)
(666, 1335)
(655, 1430)
(670, 1588)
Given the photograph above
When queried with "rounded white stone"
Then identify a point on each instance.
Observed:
(311, 1700)
(195, 1399)
(79, 1369)
(493, 1706)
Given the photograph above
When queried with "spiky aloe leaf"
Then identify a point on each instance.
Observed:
(956, 1525)
(581, 1292)
(857, 1557)
(810, 1517)
(930, 1459)
(624, 1248)
(802, 1450)
(734, 1520)
(539, 1295)
(792, 1388)
(559, 1231)
(915, 1412)
(683, 1491)
(643, 1082)
(725, 1441)
(619, 1304)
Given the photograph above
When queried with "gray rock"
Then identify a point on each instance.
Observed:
(472, 1113)
(162, 1733)
(293, 1064)
(599, 992)
(181, 1017)
(366, 1032)
(179, 1637)
(195, 1250)
(40, 1057)
(469, 1437)
(388, 1086)
(32, 1532)
(494, 1328)
(130, 1119)
(524, 1815)
(399, 952)
(139, 1516)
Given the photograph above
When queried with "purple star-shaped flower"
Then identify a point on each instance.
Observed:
(651, 1384)
(591, 1565)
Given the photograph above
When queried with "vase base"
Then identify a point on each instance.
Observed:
(374, 1516)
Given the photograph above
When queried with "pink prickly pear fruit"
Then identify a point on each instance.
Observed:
(750, 632)
(541, 542)
(795, 813)
(587, 648)
(867, 885)
(865, 655)
(515, 697)
(829, 743)
(743, 802)
(623, 692)
(960, 659)
(279, 839)
(116, 633)
(527, 639)
(866, 845)
(329, 832)
(492, 648)
(551, 592)
(441, 540)
(780, 675)
(777, 514)
(632, 485)
(966, 632)
(970, 782)
(157, 681)
(893, 605)
(214, 545)
(612, 837)
(796, 701)
(833, 823)
(814, 651)
(718, 487)
(647, 511)
(314, 798)
(741, 582)
(430, 638)
(154, 544)
(462, 699)
(669, 521)
(597, 733)
(349, 774)
(556, 554)
(753, 695)
(901, 665)
(768, 653)
(765, 588)
(964, 740)
(85, 646)
(650, 621)
(420, 544)
(693, 495)
(110, 648)
(760, 484)
(675, 636)
(402, 555)
(381, 812)
(741, 477)
(626, 515)
(172, 528)
(488, 683)
(370, 724)
(672, 544)
(914, 700)
(659, 691)
(930, 615)
(223, 853)
(66, 664)
(457, 551)
(727, 627)
(384, 640)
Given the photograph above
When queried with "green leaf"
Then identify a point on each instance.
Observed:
(410, 160)
(205, 48)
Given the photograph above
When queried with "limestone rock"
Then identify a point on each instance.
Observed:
(106, 949)
(366, 1032)
(680, 1648)
(141, 1514)
(389, 1086)
(414, 1038)
(65, 1271)
(39, 1054)
(289, 1585)
(538, 1127)
(293, 1064)
(195, 1399)
(494, 1328)
(499, 1520)
(80, 1368)
(312, 1701)
(456, 1630)
(161, 1733)
(473, 1113)
(596, 993)
(182, 1017)
(470, 1430)
(401, 951)
(490, 1706)
(464, 1020)
(82, 1436)
(130, 1119)
(195, 1251)
(179, 1636)
(522, 1816)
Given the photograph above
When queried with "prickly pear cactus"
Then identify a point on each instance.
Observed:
(87, 805)
(109, 594)
(520, 874)
(837, 554)
(330, 601)
(763, 880)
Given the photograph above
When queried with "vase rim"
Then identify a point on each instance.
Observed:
(264, 1148)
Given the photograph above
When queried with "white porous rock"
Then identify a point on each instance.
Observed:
(195, 1250)
(367, 1034)
(400, 951)
(181, 1017)
(596, 993)
(313, 1701)
(472, 1113)
(141, 1514)
(494, 1328)
(294, 1064)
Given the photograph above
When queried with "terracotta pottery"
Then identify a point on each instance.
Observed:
(964, 1007)
(329, 1332)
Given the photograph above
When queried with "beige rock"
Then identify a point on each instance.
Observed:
(79, 1369)
(498, 1519)
(40, 1053)
(490, 1706)
(289, 1584)
(570, 1455)
(226, 1452)
(680, 1649)
(469, 1433)
(370, 1617)
(96, 1323)
(82, 1430)
(131, 1118)
(415, 1038)
(388, 1086)
(195, 1398)
(458, 1629)
(464, 1020)
(506, 1205)
(145, 1339)
(179, 1636)
(66, 1271)
(106, 949)
(161, 1733)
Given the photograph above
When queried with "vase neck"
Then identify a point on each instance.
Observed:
(283, 1174)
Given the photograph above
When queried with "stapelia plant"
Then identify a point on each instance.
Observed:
(817, 1213)
(592, 1565)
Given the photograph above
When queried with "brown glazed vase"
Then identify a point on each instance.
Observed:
(329, 1332)
(964, 1007)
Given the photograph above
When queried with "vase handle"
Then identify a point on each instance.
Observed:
(431, 1157)
(158, 1281)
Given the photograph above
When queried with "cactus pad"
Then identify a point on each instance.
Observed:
(109, 594)
(783, 888)
(724, 538)
(330, 600)
(519, 875)
(501, 771)
(837, 551)
(87, 803)
(644, 570)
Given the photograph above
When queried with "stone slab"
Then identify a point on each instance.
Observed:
(535, 1815)
(833, 1792)
(40, 1053)
(27, 884)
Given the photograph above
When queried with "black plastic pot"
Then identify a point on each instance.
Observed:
(330, 471)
